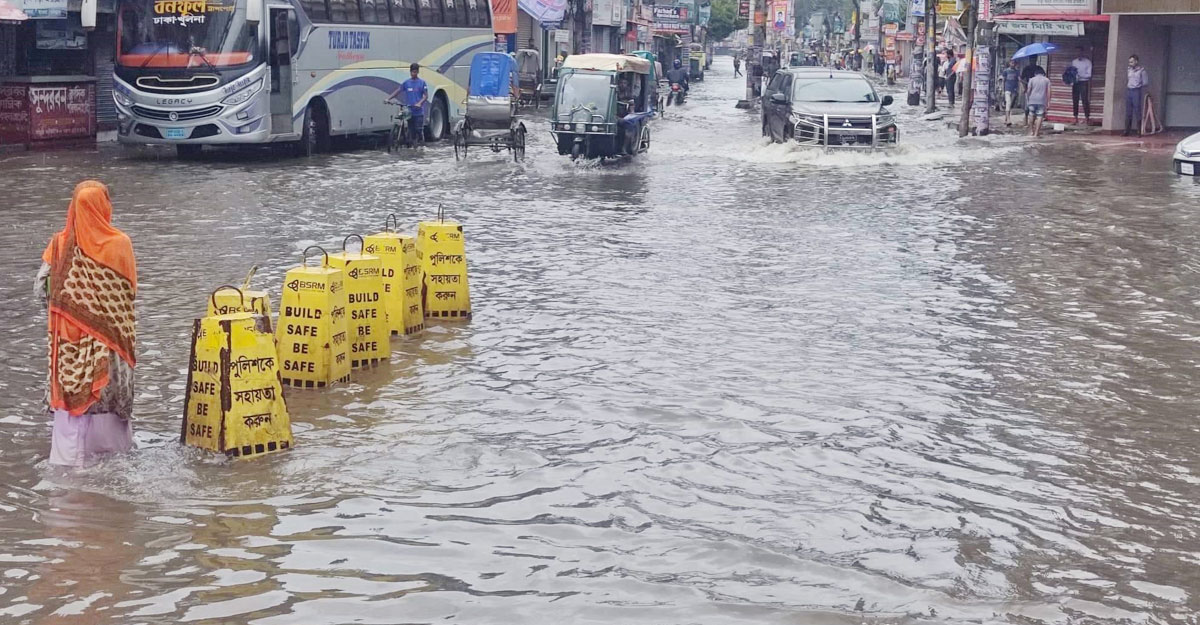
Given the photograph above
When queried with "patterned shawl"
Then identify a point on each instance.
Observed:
(93, 280)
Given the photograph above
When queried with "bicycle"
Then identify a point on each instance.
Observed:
(398, 136)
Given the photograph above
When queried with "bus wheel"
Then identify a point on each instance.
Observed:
(436, 129)
(310, 134)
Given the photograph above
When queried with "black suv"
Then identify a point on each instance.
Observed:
(827, 108)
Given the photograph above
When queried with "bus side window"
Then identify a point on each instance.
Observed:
(449, 12)
(339, 12)
(316, 10)
(404, 12)
(368, 12)
(431, 13)
(479, 12)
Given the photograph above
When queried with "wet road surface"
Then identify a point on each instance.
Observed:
(726, 382)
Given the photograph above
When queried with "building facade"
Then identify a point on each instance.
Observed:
(1165, 35)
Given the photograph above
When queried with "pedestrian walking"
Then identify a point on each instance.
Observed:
(1081, 90)
(1037, 97)
(737, 66)
(1027, 74)
(950, 75)
(1012, 82)
(416, 95)
(1137, 79)
(88, 280)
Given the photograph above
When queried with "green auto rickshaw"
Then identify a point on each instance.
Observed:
(602, 106)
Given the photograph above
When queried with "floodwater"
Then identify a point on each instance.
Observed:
(726, 382)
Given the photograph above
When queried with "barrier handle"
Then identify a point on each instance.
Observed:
(441, 213)
(213, 296)
(304, 256)
(393, 220)
(361, 243)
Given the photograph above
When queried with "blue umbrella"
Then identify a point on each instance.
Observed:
(1035, 49)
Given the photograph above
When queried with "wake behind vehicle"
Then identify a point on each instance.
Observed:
(603, 106)
(827, 108)
(491, 108)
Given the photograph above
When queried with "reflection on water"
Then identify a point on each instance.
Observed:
(724, 382)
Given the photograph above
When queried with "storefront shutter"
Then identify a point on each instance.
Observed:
(106, 110)
(525, 30)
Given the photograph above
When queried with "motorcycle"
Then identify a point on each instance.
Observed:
(676, 94)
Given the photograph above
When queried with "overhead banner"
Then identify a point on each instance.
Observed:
(544, 11)
(504, 16)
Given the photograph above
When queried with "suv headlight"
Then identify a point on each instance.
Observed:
(122, 99)
(885, 120)
(243, 94)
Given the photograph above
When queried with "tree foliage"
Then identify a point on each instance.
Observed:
(724, 19)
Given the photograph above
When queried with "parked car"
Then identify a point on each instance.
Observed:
(827, 108)
(1187, 156)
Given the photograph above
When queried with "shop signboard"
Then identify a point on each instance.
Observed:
(779, 10)
(602, 12)
(948, 7)
(1040, 27)
(743, 9)
(671, 19)
(14, 114)
(891, 11)
(917, 9)
(504, 16)
(45, 9)
(60, 35)
(1087, 7)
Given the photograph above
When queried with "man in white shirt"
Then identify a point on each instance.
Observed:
(1081, 91)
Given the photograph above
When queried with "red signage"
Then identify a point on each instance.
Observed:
(61, 111)
(14, 114)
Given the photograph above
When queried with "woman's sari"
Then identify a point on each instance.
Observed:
(92, 284)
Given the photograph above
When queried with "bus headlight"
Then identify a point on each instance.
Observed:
(122, 99)
(243, 94)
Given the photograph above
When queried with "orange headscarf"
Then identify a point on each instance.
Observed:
(93, 280)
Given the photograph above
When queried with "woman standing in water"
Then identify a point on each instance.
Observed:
(89, 278)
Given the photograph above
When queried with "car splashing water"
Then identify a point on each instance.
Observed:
(722, 382)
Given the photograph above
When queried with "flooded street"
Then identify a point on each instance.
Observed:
(725, 382)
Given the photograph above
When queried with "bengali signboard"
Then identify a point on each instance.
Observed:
(14, 114)
(743, 9)
(504, 16)
(61, 111)
(1040, 27)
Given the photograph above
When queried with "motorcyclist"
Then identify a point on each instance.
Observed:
(678, 75)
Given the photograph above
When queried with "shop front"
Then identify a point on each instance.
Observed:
(49, 92)
(1165, 35)
(1071, 33)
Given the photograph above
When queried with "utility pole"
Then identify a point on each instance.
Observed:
(857, 32)
(931, 55)
(964, 123)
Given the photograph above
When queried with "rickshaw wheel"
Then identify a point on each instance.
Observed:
(460, 144)
(518, 143)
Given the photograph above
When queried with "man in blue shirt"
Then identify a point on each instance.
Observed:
(416, 94)
(1012, 82)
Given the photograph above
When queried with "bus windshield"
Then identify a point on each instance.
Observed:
(206, 34)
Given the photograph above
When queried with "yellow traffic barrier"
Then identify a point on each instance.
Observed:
(442, 250)
(414, 308)
(369, 344)
(398, 295)
(229, 300)
(234, 402)
(313, 334)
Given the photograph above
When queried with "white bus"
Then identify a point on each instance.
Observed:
(228, 72)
